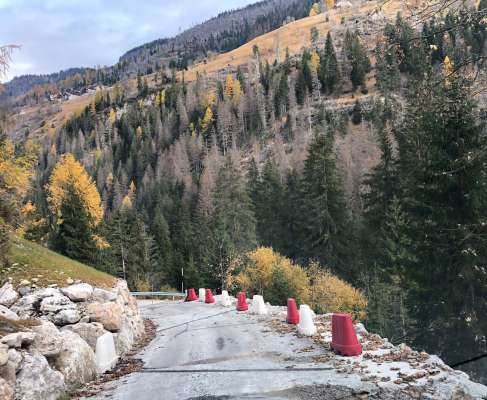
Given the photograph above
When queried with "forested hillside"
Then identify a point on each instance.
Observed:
(192, 176)
(224, 32)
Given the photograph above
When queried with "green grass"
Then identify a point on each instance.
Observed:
(44, 267)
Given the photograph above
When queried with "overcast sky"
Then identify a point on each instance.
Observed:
(59, 34)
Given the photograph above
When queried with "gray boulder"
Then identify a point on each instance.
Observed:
(103, 296)
(65, 317)
(36, 380)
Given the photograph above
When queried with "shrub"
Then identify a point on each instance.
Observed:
(275, 277)
(330, 294)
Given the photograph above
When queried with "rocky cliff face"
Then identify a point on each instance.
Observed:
(49, 337)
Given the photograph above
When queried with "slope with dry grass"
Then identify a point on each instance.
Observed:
(43, 267)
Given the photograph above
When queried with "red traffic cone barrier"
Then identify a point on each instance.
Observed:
(191, 295)
(344, 339)
(292, 312)
(209, 299)
(242, 302)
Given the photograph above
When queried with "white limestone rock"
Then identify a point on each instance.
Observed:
(78, 292)
(76, 361)
(3, 354)
(48, 340)
(103, 296)
(88, 331)
(15, 357)
(6, 391)
(54, 304)
(106, 355)
(360, 329)
(7, 313)
(36, 380)
(28, 306)
(18, 339)
(8, 295)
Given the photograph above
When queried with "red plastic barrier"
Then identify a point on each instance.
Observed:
(344, 338)
(292, 312)
(242, 302)
(191, 295)
(209, 299)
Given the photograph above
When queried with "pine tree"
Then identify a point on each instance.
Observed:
(329, 69)
(324, 209)
(233, 222)
(357, 56)
(164, 268)
(442, 173)
(388, 76)
(74, 234)
(268, 206)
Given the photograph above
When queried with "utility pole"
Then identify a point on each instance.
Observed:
(123, 263)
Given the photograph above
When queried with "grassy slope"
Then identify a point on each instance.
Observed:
(33, 262)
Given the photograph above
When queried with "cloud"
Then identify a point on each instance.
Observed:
(59, 34)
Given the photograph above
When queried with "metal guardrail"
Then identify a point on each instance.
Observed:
(158, 294)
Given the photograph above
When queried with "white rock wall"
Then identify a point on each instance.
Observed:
(43, 361)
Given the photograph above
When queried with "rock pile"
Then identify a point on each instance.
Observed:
(54, 339)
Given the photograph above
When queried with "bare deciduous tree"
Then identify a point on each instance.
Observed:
(6, 57)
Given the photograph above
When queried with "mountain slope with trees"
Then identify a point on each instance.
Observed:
(192, 176)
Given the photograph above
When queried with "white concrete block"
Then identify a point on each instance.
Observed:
(258, 305)
(202, 294)
(106, 355)
(225, 299)
(306, 325)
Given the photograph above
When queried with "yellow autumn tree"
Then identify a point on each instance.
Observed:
(15, 176)
(315, 60)
(237, 92)
(69, 174)
(273, 275)
(207, 119)
(330, 294)
(113, 116)
(160, 98)
(448, 70)
(138, 133)
(15, 172)
(229, 86)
